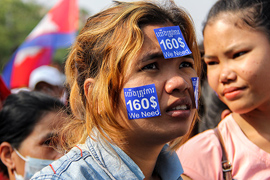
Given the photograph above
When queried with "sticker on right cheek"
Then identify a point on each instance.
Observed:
(195, 83)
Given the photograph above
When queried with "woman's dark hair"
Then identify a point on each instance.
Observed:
(254, 13)
(19, 115)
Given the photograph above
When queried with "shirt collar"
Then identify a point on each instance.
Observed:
(168, 165)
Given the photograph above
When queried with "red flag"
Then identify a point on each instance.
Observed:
(56, 30)
(4, 91)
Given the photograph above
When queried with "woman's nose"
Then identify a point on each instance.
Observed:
(176, 83)
(227, 75)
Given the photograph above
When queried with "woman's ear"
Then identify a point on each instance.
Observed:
(87, 84)
(6, 151)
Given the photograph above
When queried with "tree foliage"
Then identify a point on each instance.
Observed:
(17, 19)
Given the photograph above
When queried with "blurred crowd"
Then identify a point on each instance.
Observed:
(81, 116)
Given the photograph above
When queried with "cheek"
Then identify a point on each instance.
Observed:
(121, 113)
(36, 150)
(28, 146)
(44, 152)
(213, 79)
(252, 72)
(20, 164)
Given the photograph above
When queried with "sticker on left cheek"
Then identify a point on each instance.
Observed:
(195, 83)
(142, 102)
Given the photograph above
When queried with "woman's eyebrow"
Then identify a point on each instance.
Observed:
(208, 56)
(189, 56)
(151, 56)
(156, 55)
(50, 135)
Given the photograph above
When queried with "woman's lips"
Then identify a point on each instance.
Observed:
(180, 108)
(232, 92)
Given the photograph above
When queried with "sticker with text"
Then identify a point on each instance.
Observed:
(195, 83)
(142, 102)
(172, 42)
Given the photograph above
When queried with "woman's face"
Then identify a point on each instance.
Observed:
(172, 80)
(238, 62)
(37, 144)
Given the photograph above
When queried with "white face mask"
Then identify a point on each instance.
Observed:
(18, 177)
(32, 165)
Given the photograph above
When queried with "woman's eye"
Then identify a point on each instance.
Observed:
(150, 66)
(48, 142)
(186, 64)
(239, 54)
(211, 63)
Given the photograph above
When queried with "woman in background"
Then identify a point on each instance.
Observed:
(28, 122)
(237, 54)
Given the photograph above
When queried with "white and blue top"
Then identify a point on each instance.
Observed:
(96, 160)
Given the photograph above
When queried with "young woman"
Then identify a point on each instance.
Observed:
(237, 52)
(28, 122)
(117, 56)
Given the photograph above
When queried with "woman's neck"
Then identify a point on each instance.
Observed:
(255, 125)
(145, 157)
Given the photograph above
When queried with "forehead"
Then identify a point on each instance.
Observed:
(224, 37)
(51, 120)
(235, 19)
(221, 29)
(148, 30)
(151, 44)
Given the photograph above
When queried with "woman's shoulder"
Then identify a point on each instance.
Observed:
(201, 155)
(92, 160)
(202, 142)
(206, 142)
(68, 166)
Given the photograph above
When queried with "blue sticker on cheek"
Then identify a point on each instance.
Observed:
(172, 42)
(195, 83)
(142, 102)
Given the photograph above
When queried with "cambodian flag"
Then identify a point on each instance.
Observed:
(57, 29)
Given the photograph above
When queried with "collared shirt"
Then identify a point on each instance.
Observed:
(97, 160)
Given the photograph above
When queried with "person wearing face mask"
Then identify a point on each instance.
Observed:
(28, 123)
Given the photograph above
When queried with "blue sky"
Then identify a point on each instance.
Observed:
(197, 8)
